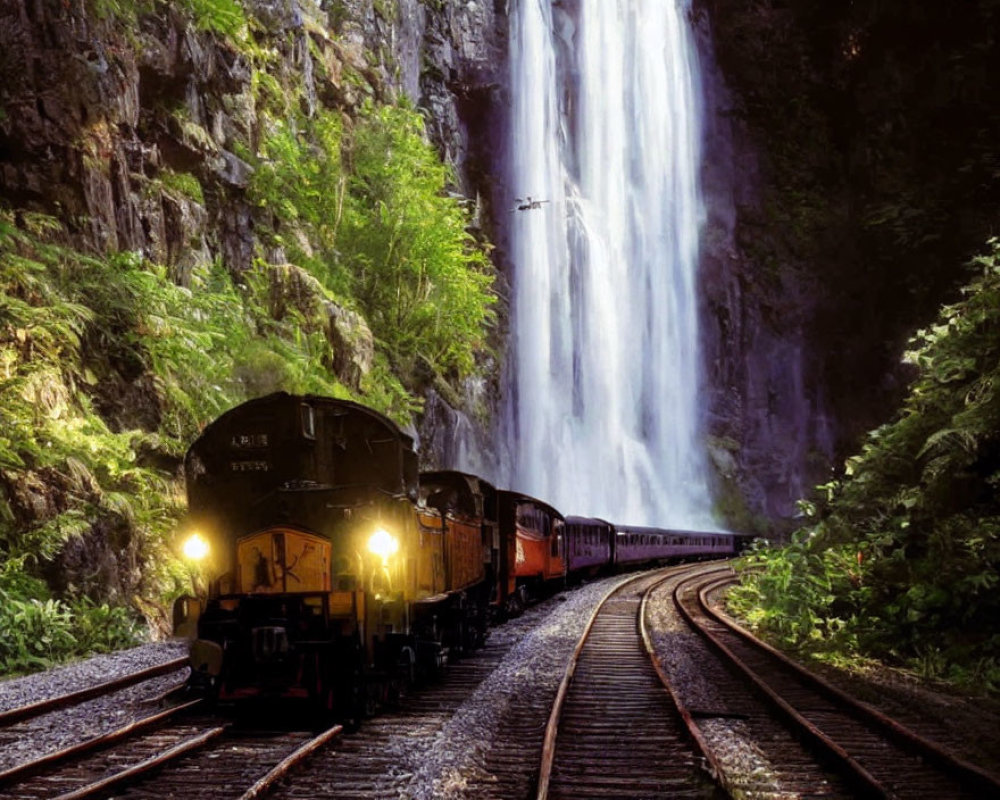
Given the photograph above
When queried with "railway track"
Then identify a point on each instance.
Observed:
(875, 755)
(178, 753)
(13, 716)
(399, 753)
(71, 718)
(614, 730)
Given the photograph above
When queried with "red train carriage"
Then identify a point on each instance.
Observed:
(534, 531)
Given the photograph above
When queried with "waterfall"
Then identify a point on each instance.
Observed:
(603, 416)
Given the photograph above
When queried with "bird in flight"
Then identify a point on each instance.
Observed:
(527, 203)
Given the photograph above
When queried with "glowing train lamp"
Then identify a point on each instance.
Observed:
(195, 548)
(383, 544)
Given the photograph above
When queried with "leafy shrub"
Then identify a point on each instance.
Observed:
(37, 633)
(422, 281)
(906, 548)
(367, 212)
(224, 17)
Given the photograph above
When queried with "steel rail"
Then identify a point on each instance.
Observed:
(289, 762)
(51, 759)
(24, 712)
(976, 777)
(552, 728)
(858, 776)
(713, 766)
(138, 770)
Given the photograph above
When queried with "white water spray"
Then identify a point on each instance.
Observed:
(604, 417)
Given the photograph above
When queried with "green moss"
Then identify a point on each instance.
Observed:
(183, 183)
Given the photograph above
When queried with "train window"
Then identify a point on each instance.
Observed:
(308, 418)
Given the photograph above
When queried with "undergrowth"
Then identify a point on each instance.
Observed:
(900, 558)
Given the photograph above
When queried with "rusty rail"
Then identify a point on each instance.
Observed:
(24, 712)
(139, 770)
(289, 763)
(979, 779)
(843, 715)
(51, 759)
(713, 766)
(611, 685)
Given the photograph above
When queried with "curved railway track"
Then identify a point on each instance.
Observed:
(877, 756)
(400, 753)
(614, 730)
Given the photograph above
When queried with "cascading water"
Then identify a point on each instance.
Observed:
(604, 417)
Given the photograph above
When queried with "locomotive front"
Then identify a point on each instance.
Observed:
(304, 527)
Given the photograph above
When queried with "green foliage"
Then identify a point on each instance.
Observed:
(184, 183)
(37, 633)
(422, 282)
(367, 212)
(302, 183)
(224, 17)
(906, 548)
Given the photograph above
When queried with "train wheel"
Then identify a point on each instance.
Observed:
(374, 694)
(347, 679)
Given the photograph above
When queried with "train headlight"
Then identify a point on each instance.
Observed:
(195, 547)
(382, 543)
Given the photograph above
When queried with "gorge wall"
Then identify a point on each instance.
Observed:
(127, 136)
(851, 172)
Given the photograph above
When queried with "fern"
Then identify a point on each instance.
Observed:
(918, 508)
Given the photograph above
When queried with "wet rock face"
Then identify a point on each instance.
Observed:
(94, 114)
(350, 338)
(763, 397)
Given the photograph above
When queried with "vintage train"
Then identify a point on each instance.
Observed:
(338, 574)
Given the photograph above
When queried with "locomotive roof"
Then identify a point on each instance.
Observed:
(313, 399)
(456, 477)
(520, 497)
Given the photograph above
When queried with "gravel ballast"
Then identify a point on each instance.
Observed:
(52, 731)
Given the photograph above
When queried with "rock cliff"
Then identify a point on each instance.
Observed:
(134, 128)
